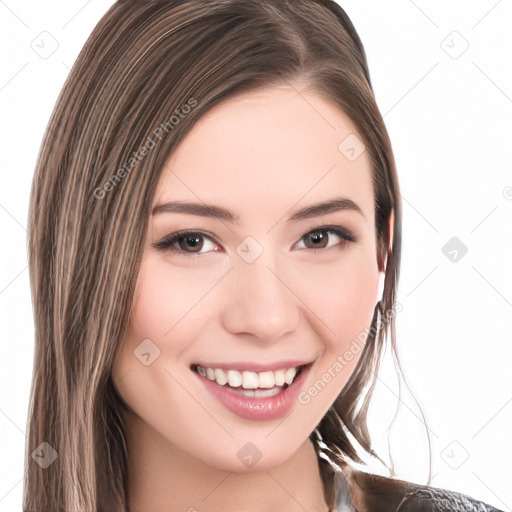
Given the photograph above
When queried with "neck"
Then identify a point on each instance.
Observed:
(163, 478)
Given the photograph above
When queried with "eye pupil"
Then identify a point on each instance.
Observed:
(193, 241)
(319, 236)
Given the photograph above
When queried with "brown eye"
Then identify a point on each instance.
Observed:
(322, 238)
(187, 243)
(195, 242)
(318, 239)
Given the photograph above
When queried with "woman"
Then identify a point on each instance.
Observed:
(214, 254)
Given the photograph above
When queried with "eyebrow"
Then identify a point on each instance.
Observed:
(218, 212)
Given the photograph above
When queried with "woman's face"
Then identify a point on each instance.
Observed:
(288, 279)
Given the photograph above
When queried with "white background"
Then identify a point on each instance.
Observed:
(448, 110)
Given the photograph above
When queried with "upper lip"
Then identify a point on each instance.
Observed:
(252, 366)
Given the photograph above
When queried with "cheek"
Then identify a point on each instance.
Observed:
(161, 301)
(170, 310)
(165, 312)
(165, 302)
(344, 296)
(345, 299)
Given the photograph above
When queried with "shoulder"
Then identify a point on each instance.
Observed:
(365, 492)
(433, 499)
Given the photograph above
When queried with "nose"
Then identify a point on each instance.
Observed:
(260, 301)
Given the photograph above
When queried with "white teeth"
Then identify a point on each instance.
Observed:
(234, 378)
(260, 393)
(266, 380)
(290, 375)
(260, 381)
(220, 376)
(250, 380)
(279, 378)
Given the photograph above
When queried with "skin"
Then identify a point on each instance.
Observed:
(262, 154)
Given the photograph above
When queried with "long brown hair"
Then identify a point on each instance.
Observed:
(148, 72)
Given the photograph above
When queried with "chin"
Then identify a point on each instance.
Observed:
(246, 456)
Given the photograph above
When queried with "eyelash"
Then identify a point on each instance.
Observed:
(166, 243)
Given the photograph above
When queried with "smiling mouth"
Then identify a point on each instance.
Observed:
(252, 384)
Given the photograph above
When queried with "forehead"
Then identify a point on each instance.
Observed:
(268, 150)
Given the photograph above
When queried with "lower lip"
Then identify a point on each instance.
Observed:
(257, 409)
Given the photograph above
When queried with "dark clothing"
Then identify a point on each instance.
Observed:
(418, 499)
